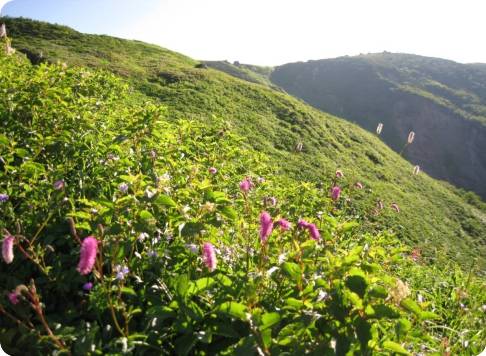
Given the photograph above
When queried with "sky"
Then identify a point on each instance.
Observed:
(273, 32)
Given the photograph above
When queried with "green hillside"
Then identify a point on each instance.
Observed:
(133, 228)
(250, 73)
(434, 216)
(442, 101)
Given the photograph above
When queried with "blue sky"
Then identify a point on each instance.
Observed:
(271, 32)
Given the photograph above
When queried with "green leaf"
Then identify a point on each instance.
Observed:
(293, 270)
(182, 285)
(269, 319)
(295, 303)
(229, 212)
(225, 281)
(165, 200)
(357, 284)
(378, 292)
(403, 326)
(426, 315)
(393, 346)
(129, 291)
(146, 215)
(4, 140)
(234, 309)
(349, 225)
(185, 343)
(380, 311)
(411, 306)
(200, 285)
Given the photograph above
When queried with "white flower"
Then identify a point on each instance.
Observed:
(150, 193)
(272, 270)
(322, 295)
(143, 236)
(281, 258)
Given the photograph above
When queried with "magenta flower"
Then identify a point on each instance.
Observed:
(7, 249)
(314, 232)
(245, 185)
(87, 286)
(266, 226)
(335, 192)
(339, 174)
(213, 170)
(395, 207)
(87, 258)
(284, 224)
(312, 228)
(14, 297)
(302, 224)
(209, 256)
(58, 184)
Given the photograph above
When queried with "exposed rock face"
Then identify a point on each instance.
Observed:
(442, 101)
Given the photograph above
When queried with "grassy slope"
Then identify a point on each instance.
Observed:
(433, 214)
(250, 73)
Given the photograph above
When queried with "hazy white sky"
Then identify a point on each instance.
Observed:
(270, 32)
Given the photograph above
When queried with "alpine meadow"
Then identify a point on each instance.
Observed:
(154, 204)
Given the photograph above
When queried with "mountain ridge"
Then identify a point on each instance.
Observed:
(442, 101)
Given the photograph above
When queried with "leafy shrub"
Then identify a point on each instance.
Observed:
(81, 156)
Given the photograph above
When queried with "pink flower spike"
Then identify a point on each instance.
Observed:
(335, 193)
(13, 297)
(303, 224)
(314, 232)
(245, 185)
(395, 207)
(209, 256)
(87, 258)
(284, 224)
(266, 226)
(7, 249)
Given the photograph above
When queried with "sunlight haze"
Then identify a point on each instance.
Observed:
(275, 32)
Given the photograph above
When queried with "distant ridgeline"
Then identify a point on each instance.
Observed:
(442, 101)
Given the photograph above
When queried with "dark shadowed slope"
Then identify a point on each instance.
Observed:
(442, 101)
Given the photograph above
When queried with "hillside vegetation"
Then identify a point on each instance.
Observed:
(443, 102)
(135, 227)
(434, 216)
